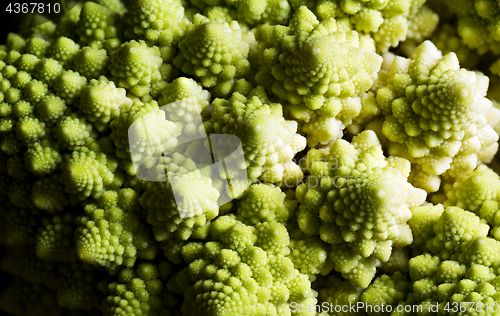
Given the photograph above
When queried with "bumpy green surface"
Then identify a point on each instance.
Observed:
(358, 201)
(436, 115)
(251, 157)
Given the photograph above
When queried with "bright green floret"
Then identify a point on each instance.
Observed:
(113, 5)
(37, 46)
(86, 173)
(72, 130)
(253, 12)
(387, 290)
(91, 62)
(262, 203)
(43, 157)
(47, 70)
(316, 64)
(447, 40)
(458, 269)
(286, 157)
(309, 254)
(436, 115)
(63, 50)
(152, 134)
(358, 201)
(269, 141)
(215, 53)
(110, 233)
(185, 101)
(30, 130)
(97, 24)
(147, 20)
(139, 291)
(68, 85)
(237, 272)
(101, 101)
(135, 66)
(336, 291)
(174, 208)
(55, 240)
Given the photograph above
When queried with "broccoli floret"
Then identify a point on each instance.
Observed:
(317, 64)
(101, 101)
(135, 66)
(97, 25)
(110, 232)
(183, 212)
(138, 290)
(215, 53)
(277, 153)
(269, 141)
(361, 201)
(55, 240)
(86, 172)
(237, 260)
(436, 115)
(148, 20)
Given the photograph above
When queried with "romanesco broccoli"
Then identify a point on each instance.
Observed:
(251, 157)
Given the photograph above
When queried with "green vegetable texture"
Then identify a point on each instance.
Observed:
(252, 158)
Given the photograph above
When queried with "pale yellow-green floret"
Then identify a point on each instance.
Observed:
(436, 114)
(101, 101)
(313, 63)
(110, 232)
(281, 154)
(148, 20)
(98, 25)
(269, 141)
(216, 53)
(135, 66)
(362, 201)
